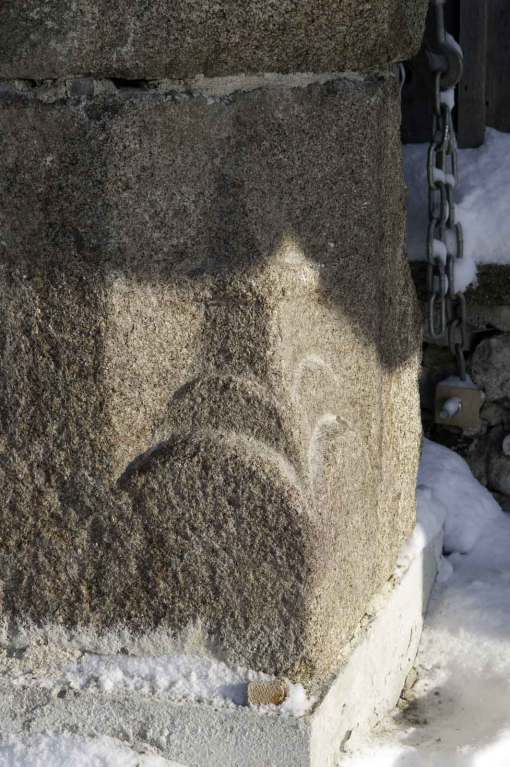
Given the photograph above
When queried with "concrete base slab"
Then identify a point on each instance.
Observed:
(206, 735)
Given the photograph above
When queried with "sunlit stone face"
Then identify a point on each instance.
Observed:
(208, 407)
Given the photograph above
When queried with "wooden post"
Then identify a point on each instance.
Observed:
(498, 64)
(417, 95)
(471, 116)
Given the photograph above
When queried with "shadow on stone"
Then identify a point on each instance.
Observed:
(211, 292)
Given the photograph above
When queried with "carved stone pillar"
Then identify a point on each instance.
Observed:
(208, 333)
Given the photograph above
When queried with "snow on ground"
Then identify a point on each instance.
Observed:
(459, 711)
(180, 677)
(72, 751)
(482, 203)
(458, 714)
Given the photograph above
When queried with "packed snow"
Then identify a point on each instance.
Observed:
(72, 751)
(445, 481)
(179, 677)
(482, 204)
(458, 713)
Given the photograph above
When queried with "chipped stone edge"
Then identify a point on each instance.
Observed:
(369, 684)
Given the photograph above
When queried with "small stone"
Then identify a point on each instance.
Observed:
(267, 693)
(506, 446)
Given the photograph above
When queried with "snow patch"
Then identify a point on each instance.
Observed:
(70, 751)
(447, 489)
(179, 677)
(482, 204)
(459, 715)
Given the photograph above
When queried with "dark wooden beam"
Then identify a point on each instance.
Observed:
(471, 100)
(417, 94)
(498, 64)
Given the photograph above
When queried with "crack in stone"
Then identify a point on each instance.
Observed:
(213, 90)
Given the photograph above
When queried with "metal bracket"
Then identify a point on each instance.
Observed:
(466, 413)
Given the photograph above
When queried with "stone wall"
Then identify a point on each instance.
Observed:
(208, 331)
(487, 450)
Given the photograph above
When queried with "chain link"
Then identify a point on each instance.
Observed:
(445, 241)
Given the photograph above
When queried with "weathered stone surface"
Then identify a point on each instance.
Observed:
(184, 38)
(495, 414)
(493, 286)
(485, 317)
(491, 367)
(499, 472)
(488, 455)
(489, 461)
(209, 341)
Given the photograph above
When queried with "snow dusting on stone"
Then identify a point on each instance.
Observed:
(179, 677)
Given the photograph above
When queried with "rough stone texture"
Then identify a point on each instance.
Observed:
(488, 362)
(486, 317)
(489, 459)
(184, 38)
(493, 286)
(208, 339)
(489, 463)
(487, 449)
(495, 414)
(499, 469)
(491, 367)
(39, 691)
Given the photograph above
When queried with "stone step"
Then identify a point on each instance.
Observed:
(36, 695)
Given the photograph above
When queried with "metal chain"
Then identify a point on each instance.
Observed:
(445, 242)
